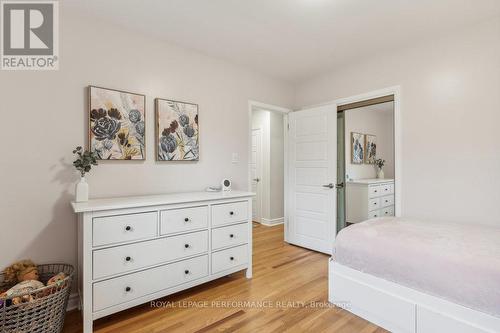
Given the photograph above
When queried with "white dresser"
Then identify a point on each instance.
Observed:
(133, 250)
(369, 198)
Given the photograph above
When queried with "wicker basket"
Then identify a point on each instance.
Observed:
(45, 312)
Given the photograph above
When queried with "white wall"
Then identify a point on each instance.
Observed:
(271, 124)
(450, 116)
(277, 166)
(44, 118)
(375, 120)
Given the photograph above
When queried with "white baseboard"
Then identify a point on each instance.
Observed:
(73, 302)
(272, 222)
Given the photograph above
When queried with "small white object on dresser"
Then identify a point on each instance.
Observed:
(369, 198)
(133, 250)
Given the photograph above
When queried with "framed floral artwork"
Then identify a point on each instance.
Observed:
(357, 148)
(177, 131)
(117, 128)
(370, 148)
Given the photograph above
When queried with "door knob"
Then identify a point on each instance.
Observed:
(329, 185)
(340, 185)
(257, 179)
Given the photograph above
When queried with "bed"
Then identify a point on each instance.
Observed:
(418, 276)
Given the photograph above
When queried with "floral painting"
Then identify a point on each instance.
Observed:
(117, 124)
(357, 148)
(177, 137)
(370, 149)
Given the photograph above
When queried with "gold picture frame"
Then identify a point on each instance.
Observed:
(177, 131)
(116, 124)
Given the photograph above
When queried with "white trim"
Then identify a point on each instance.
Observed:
(272, 222)
(269, 107)
(396, 91)
(286, 235)
(401, 309)
(73, 302)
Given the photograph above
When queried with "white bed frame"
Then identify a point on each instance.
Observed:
(402, 309)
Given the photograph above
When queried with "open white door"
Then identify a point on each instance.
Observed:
(312, 173)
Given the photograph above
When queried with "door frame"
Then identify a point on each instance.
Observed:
(396, 92)
(255, 105)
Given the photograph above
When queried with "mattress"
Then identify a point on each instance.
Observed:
(456, 262)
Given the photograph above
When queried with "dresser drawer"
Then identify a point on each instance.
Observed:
(374, 191)
(230, 236)
(227, 259)
(124, 228)
(387, 211)
(373, 204)
(388, 200)
(125, 258)
(229, 213)
(183, 219)
(387, 188)
(373, 214)
(129, 287)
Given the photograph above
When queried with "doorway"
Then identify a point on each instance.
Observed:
(365, 160)
(266, 163)
(317, 172)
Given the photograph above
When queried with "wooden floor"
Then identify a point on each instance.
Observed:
(288, 293)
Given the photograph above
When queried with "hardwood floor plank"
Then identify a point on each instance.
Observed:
(220, 322)
(288, 293)
(293, 260)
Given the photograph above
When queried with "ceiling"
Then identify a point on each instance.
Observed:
(290, 39)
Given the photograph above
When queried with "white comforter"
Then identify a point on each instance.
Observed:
(457, 262)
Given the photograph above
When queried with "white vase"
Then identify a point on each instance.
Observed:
(82, 190)
(380, 173)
